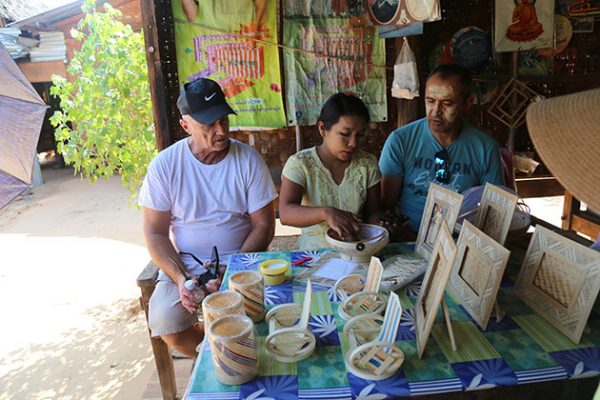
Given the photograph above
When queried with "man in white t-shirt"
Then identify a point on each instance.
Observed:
(203, 191)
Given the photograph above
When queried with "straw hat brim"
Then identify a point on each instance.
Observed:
(565, 131)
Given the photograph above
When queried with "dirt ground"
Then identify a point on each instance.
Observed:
(70, 253)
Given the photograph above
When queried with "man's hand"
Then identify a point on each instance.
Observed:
(397, 226)
(344, 223)
(188, 300)
(213, 285)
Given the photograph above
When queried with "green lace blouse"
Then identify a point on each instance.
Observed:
(306, 169)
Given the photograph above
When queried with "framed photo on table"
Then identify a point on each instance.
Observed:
(495, 213)
(433, 287)
(441, 208)
(559, 280)
(477, 271)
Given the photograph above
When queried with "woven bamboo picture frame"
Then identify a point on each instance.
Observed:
(477, 271)
(434, 286)
(442, 205)
(559, 280)
(495, 212)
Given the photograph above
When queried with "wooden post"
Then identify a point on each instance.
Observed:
(567, 215)
(512, 131)
(158, 84)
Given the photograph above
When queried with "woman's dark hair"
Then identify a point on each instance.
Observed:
(339, 105)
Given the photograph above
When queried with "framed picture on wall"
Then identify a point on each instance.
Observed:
(403, 12)
(477, 271)
(434, 286)
(441, 208)
(495, 213)
(559, 280)
(583, 24)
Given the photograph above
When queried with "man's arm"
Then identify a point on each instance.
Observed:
(156, 234)
(390, 191)
(263, 230)
(494, 173)
(391, 186)
(373, 204)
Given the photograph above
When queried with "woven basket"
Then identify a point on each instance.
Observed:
(220, 304)
(233, 346)
(250, 284)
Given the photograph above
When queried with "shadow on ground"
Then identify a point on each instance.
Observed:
(95, 362)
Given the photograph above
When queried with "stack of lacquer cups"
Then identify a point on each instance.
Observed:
(229, 318)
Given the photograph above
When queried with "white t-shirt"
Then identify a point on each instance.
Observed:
(210, 204)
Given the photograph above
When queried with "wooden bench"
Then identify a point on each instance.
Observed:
(574, 219)
(162, 354)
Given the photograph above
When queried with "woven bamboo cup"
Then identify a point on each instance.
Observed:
(220, 304)
(250, 284)
(233, 346)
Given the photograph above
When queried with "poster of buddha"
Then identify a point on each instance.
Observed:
(523, 25)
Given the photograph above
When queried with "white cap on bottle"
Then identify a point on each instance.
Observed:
(191, 284)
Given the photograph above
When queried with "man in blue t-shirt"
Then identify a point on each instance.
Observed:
(442, 148)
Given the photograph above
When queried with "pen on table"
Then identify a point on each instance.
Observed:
(298, 263)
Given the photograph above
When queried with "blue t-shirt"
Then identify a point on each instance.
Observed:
(409, 153)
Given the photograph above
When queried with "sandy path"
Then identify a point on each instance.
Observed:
(69, 257)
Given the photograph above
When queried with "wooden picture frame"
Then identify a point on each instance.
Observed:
(477, 271)
(559, 280)
(442, 205)
(495, 213)
(434, 286)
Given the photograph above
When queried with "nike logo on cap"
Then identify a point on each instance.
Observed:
(207, 98)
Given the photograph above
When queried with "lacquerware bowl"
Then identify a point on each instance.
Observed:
(371, 239)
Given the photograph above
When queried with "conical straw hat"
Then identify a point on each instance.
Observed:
(565, 131)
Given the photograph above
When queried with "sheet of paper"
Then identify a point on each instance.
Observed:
(335, 269)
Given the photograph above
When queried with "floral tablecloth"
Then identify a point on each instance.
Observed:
(522, 348)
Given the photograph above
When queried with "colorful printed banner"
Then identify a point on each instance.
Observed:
(338, 51)
(212, 42)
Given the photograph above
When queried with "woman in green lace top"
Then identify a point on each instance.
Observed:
(334, 184)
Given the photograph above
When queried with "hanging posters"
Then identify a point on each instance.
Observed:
(524, 25)
(214, 40)
(330, 47)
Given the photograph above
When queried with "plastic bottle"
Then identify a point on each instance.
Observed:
(193, 286)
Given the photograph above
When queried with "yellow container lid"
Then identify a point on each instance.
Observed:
(274, 267)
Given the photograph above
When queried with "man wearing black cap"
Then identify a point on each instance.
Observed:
(203, 191)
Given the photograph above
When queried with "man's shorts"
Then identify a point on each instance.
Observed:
(166, 315)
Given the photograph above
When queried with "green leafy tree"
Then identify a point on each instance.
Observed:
(105, 126)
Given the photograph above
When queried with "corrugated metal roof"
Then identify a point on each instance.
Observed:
(15, 10)
(47, 18)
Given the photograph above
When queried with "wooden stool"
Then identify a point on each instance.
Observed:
(162, 354)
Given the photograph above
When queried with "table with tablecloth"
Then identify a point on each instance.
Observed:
(522, 348)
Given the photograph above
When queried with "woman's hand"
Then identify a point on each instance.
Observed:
(344, 223)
